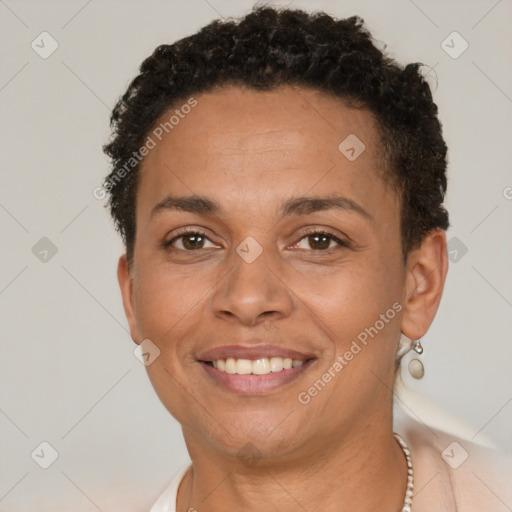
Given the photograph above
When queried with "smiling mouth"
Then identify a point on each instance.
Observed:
(255, 376)
(261, 366)
(254, 368)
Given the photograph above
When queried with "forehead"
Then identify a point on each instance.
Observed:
(243, 119)
(250, 146)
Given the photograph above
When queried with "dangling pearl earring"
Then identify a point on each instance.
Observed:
(416, 368)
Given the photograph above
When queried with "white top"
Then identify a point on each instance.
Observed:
(453, 474)
(167, 501)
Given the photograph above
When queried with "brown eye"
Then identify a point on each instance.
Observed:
(320, 241)
(189, 241)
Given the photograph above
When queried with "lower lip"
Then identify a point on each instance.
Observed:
(255, 384)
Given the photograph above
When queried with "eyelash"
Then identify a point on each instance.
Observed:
(328, 234)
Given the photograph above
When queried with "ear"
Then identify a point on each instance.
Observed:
(426, 273)
(126, 284)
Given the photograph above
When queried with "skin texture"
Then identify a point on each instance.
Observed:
(250, 152)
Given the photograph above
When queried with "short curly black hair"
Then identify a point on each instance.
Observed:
(272, 47)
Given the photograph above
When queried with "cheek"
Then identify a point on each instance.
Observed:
(164, 297)
(169, 305)
(355, 305)
(347, 297)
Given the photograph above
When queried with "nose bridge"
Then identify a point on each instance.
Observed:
(251, 290)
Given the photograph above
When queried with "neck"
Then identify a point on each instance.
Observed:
(362, 470)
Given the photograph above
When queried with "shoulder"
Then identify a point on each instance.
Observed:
(455, 474)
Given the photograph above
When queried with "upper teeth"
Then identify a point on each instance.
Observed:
(257, 367)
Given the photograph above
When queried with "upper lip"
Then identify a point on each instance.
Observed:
(252, 352)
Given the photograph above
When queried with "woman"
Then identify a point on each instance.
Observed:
(279, 183)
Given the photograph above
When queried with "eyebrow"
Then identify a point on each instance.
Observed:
(296, 206)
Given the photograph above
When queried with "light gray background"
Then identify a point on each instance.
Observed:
(68, 374)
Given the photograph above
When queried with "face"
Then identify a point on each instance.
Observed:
(293, 254)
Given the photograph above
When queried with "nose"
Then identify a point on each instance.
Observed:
(252, 293)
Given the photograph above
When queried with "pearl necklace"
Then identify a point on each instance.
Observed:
(410, 479)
